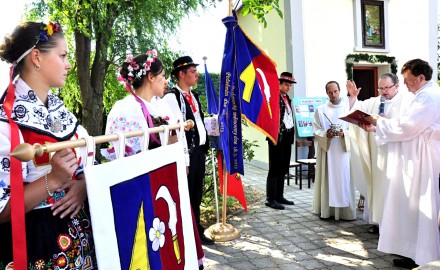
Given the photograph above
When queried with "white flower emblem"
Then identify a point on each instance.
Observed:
(156, 234)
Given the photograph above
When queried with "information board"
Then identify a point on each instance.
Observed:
(304, 109)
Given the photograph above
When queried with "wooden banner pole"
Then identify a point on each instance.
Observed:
(225, 196)
(26, 152)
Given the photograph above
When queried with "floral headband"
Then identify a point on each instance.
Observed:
(138, 70)
(46, 30)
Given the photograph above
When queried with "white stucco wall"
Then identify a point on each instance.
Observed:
(322, 34)
(413, 30)
(329, 36)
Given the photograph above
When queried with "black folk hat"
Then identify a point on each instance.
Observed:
(286, 77)
(181, 63)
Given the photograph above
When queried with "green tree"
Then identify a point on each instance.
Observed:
(102, 32)
(260, 8)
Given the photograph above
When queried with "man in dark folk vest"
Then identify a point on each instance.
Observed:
(279, 155)
(185, 102)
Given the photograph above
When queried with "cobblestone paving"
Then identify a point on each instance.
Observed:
(294, 238)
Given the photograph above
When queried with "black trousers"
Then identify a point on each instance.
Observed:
(279, 160)
(196, 177)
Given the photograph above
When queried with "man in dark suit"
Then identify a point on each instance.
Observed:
(279, 154)
(185, 102)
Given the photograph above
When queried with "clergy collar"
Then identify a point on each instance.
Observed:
(395, 95)
(337, 103)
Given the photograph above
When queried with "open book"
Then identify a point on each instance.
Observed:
(356, 117)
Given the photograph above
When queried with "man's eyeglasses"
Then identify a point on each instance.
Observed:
(385, 88)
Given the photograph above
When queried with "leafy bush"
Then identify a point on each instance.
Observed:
(208, 211)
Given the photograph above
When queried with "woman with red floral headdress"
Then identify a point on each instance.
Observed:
(144, 77)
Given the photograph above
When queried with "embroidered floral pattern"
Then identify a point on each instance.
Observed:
(20, 111)
(40, 265)
(76, 250)
(60, 260)
(30, 112)
(6, 164)
(5, 194)
(74, 237)
(121, 124)
(64, 242)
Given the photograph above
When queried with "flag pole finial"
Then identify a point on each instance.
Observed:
(204, 59)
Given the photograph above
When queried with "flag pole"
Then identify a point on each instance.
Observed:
(222, 231)
(215, 185)
(213, 170)
(225, 193)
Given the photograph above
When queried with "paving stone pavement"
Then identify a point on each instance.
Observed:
(294, 238)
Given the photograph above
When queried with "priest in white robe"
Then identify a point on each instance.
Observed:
(334, 193)
(368, 161)
(410, 222)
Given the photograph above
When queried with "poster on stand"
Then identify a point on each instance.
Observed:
(304, 110)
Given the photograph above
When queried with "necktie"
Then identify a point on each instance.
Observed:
(287, 104)
(188, 98)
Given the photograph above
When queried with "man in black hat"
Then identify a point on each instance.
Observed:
(186, 103)
(279, 155)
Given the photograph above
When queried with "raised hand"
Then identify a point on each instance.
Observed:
(352, 89)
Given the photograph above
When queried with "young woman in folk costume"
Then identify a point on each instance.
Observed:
(144, 77)
(43, 198)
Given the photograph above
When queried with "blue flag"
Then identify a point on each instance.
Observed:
(230, 112)
(249, 88)
(212, 99)
(211, 94)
